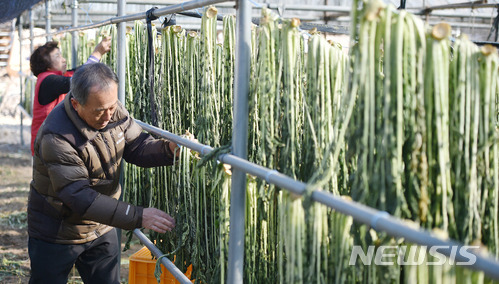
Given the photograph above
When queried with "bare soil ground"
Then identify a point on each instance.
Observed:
(15, 176)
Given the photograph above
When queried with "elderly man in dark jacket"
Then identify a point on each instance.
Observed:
(73, 203)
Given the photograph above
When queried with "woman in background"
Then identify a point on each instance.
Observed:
(53, 80)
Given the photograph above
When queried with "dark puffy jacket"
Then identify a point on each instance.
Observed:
(75, 188)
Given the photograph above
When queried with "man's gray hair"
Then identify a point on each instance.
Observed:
(89, 76)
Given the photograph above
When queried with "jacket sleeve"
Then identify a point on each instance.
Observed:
(143, 150)
(109, 211)
(52, 87)
(71, 184)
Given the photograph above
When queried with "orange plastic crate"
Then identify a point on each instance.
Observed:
(141, 269)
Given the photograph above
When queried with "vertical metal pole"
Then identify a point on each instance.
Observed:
(47, 20)
(31, 49)
(20, 28)
(325, 13)
(239, 141)
(31, 30)
(121, 52)
(121, 66)
(74, 35)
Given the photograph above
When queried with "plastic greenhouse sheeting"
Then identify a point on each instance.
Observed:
(10, 9)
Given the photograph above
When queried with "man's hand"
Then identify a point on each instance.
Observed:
(157, 220)
(174, 148)
(102, 48)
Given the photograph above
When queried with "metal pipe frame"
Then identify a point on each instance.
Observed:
(134, 2)
(310, 8)
(496, 44)
(74, 34)
(309, 18)
(322, 8)
(327, 8)
(239, 142)
(296, 7)
(121, 20)
(378, 220)
(165, 261)
(20, 30)
(466, 25)
(121, 48)
(31, 49)
(175, 9)
(187, 26)
(47, 21)
(121, 66)
(330, 28)
(466, 5)
(454, 15)
(63, 19)
(185, 6)
(93, 13)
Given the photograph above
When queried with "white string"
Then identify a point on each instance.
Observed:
(87, 18)
(256, 4)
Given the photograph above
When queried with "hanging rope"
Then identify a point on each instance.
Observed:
(170, 21)
(213, 155)
(150, 59)
(402, 5)
(495, 26)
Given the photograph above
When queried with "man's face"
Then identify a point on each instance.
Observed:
(58, 63)
(100, 106)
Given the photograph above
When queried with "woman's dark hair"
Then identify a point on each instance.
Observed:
(40, 59)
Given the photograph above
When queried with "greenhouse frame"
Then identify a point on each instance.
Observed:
(378, 220)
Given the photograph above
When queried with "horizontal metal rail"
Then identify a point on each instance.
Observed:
(256, 5)
(165, 261)
(177, 8)
(378, 220)
(449, 14)
(467, 25)
(467, 5)
(182, 8)
(98, 16)
(135, 2)
(185, 6)
(496, 44)
(309, 8)
(319, 8)
(85, 14)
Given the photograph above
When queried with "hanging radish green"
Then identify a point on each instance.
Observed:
(375, 126)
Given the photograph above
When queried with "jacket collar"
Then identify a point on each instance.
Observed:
(52, 72)
(119, 116)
